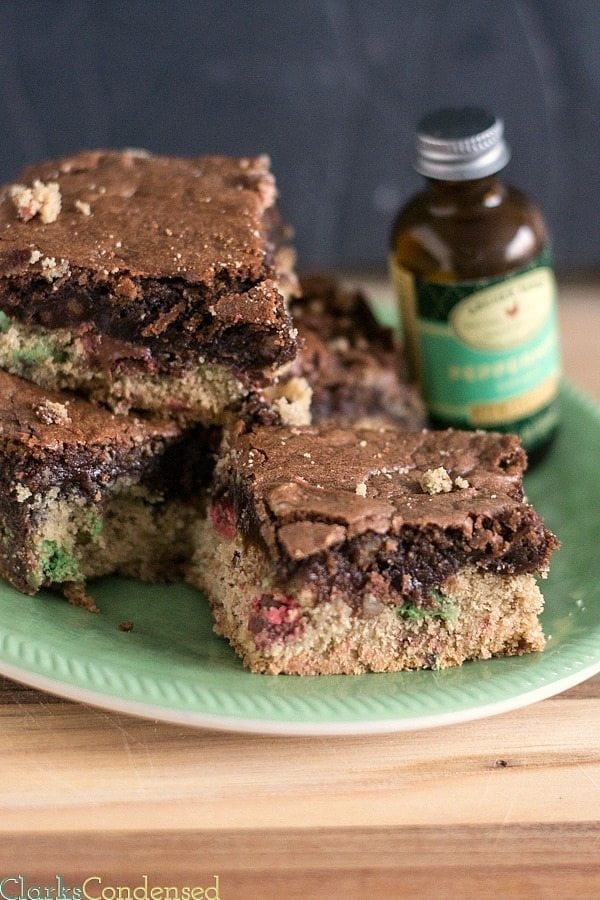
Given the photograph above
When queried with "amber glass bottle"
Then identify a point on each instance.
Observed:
(471, 263)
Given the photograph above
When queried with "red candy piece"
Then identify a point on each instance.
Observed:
(223, 519)
(274, 617)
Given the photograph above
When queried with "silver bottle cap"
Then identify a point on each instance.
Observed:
(460, 144)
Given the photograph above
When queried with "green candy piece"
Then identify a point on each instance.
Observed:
(57, 563)
(445, 610)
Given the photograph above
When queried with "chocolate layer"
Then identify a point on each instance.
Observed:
(334, 506)
(349, 370)
(353, 365)
(48, 438)
(177, 257)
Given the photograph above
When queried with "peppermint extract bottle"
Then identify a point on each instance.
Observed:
(470, 259)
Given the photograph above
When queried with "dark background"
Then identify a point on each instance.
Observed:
(330, 89)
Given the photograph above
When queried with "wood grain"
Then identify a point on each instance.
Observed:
(508, 806)
(236, 781)
(464, 861)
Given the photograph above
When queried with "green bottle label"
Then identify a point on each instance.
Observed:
(486, 352)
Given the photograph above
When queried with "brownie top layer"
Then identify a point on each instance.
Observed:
(39, 420)
(307, 490)
(50, 440)
(56, 447)
(182, 257)
(144, 215)
(351, 362)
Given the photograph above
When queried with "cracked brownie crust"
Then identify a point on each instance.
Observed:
(349, 503)
(154, 264)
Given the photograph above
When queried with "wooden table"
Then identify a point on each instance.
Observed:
(505, 807)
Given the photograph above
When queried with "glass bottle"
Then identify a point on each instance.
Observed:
(470, 259)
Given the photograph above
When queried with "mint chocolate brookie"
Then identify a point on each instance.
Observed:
(146, 282)
(85, 493)
(345, 551)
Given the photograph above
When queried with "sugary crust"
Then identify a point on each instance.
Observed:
(277, 632)
(57, 442)
(39, 420)
(149, 216)
(290, 487)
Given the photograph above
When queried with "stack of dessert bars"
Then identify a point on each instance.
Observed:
(175, 404)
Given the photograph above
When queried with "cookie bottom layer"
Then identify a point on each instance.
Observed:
(57, 359)
(71, 539)
(275, 631)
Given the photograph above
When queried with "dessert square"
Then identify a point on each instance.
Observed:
(85, 493)
(146, 282)
(330, 550)
(348, 370)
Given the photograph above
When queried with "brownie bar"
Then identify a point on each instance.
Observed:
(85, 493)
(348, 370)
(331, 550)
(144, 281)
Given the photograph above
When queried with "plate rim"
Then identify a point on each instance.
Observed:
(274, 727)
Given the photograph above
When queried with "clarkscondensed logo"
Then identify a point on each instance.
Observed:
(505, 315)
(94, 887)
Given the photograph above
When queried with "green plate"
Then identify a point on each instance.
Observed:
(171, 667)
